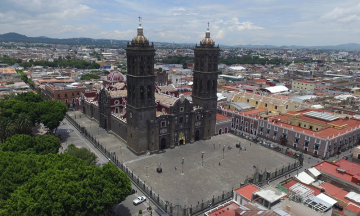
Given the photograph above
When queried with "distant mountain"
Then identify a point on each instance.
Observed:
(15, 37)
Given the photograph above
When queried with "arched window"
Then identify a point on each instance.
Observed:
(142, 93)
(149, 69)
(208, 86)
(141, 69)
(209, 67)
(214, 85)
(149, 91)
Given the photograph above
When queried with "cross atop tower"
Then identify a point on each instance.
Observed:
(208, 24)
(139, 18)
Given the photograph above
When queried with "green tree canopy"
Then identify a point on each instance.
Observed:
(62, 190)
(51, 113)
(82, 153)
(29, 97)
(89, 77)
(43, 144)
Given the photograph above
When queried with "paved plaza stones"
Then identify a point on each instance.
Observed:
(198, 182)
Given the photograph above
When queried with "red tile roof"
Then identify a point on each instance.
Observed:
(352, 169)
(353, 208)
(247, 191)
(227, 210)
(335, 191)
(221, 117)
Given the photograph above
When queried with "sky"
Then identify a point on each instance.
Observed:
(238, 22)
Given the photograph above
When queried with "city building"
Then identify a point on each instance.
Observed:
(8, 74)
(68, 94)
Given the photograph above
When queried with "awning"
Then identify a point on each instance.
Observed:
(307, 141)
(297, 138)
(317, 144)
(330, 146)
(268, 129)
(335, 144)
(285, 134)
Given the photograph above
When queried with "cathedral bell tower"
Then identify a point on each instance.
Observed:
(205, 82)
(140, 107)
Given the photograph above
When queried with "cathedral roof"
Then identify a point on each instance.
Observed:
(116, 76)
(118, 93)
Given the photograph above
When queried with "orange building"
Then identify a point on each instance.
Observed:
(67, 95)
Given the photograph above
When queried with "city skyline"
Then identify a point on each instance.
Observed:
(270, 22)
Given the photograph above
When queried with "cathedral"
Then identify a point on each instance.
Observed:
(148, 119)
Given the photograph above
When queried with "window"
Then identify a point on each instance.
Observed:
(66, 100)
(275, 107)
(310, 127)
(181, 120)
(304, 125)
(247, 100)
(266, 105)
(163, 123)
(72, 94)
(117, 102)
(197, 117)
(181, 109)
(73, 100)
(257, 102)
(77, 93)
(58, 95)
(65, 95)
(287, 107)
(317, 128)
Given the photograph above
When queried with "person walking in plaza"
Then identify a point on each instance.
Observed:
(245, 149)
(219, 164)
(214, 146)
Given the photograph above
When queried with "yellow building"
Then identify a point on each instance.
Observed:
(269, 103)
(306, 85)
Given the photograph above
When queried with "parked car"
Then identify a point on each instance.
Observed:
(139, 200)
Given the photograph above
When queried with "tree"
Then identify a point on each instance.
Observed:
(51, 113)
(7, 128)
(87, 190)
(68, 57)
(89, 77)
(29, 97)
(160, 69)
(41, 145)
(23, 123)
(82, 153)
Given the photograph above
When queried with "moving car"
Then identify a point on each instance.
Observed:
(139, 200)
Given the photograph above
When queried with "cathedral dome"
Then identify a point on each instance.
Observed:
(116, 76)
(207, 40)
(140, 38)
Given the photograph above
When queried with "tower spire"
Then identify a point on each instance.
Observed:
(207, 34)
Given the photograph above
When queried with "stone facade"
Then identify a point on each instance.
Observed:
(147, 119)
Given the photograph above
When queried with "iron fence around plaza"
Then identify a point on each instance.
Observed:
(165, 206)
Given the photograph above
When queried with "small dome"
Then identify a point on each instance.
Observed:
(140, 38)
(116, 76)
(207, 40)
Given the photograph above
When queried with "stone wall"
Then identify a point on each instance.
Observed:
(119, 128)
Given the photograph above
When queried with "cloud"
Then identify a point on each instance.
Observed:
(117, 34)
(234, 25)
(343, 15)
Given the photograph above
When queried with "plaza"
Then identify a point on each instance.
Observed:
(220, 170)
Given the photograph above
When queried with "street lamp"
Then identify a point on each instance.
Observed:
(120, 150)
(223, 151)
(202, 158)
(239, 146)
(146, 171)
(90, 125)
(182, 169)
